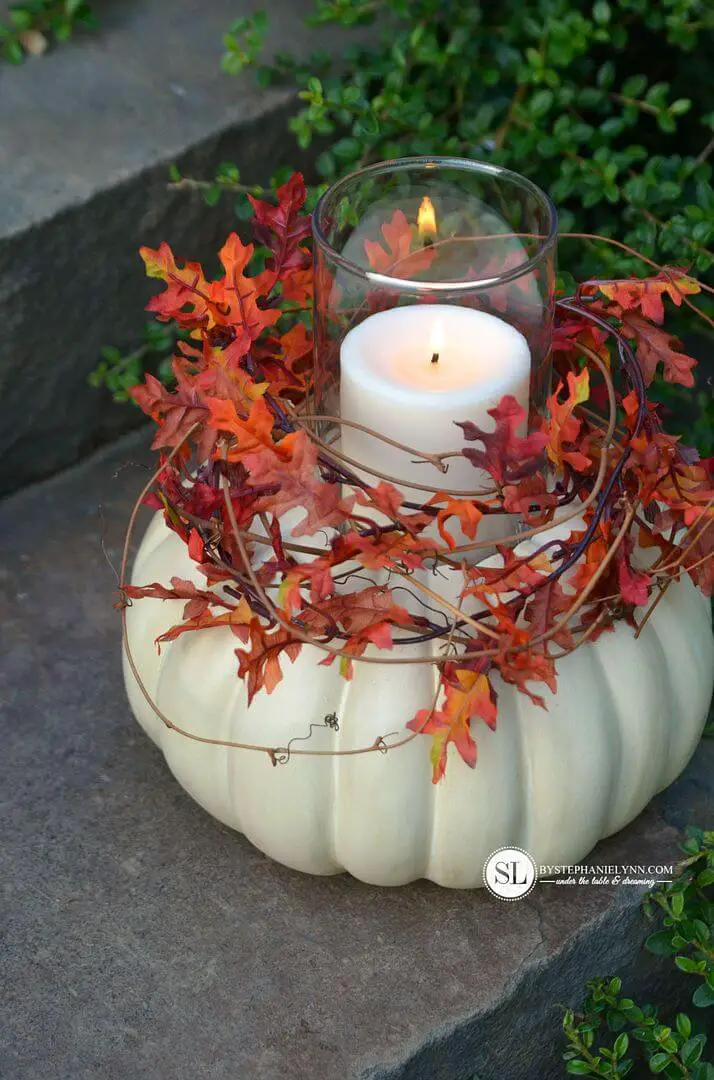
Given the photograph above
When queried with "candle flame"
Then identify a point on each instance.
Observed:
(426, 219)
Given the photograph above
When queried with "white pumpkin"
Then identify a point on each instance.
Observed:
(624, 723)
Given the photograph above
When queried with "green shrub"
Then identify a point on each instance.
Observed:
(32, 24)
(608, 105)
(612, 1036)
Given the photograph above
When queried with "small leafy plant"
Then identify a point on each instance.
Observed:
(573, 95)
(33, 24)
(612, 1036)
(119, 372)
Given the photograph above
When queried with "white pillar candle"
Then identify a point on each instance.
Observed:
(392, 382)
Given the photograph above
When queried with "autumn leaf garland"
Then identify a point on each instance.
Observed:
(235, 455)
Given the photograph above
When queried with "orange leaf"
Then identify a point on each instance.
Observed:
(465, 510)
(563, 427)
(654, 347)
(291, 465)
(646, 294)
(398, 259)
(472, 697)
(250, 434)
(259, 664)
(240, 615)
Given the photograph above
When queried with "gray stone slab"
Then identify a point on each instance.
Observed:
(142, 940)
(86, 136)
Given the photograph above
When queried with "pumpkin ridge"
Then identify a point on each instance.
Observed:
(334, 802)
(518, 702)
(433, 797)
(668, 616)
(612, 722)
(232, 756)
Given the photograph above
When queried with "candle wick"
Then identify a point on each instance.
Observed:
(435, 358)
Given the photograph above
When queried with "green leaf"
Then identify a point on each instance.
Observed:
(661, 943)
(326, 164)
(13, 52)
(21, 18)
(658, 1062)
(685, 963)
(703, 996)
(578, 1067)
(622, 1043)
(703, 1071)
(634, 86)
(211, 195)
(367, 125)
(347, 149)
(541, 102)
(691, 1051)
(602, 13)
(684, 1025)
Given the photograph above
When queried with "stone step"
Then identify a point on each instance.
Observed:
(87, 133)
(145, 941)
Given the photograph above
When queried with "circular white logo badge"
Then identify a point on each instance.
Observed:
(509, 873)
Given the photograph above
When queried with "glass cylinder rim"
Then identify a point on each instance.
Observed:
(435, 162)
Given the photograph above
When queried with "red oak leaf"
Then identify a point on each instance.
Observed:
(468, 696)
(239, 616)
(196, 548)
(388, 549)
(366, 615)
(506, 456)
(237, 315)
(634, 584)
(646, 294)
(174, 412)
(398, 259)
(563, 427)
(180, 589)
(292, 467)
(185, 287)
(545, 608)
(526, 666)
(688, 489)
(251, 433)
(591, 562)
(571, 330)
(317, 575)
(654, 347)
(529, 498)
(386, 498)
(259, 664)
(699, 561)
(517, 574)
(297, 288)
(281, 227)
(235, 256)
(464, 510)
